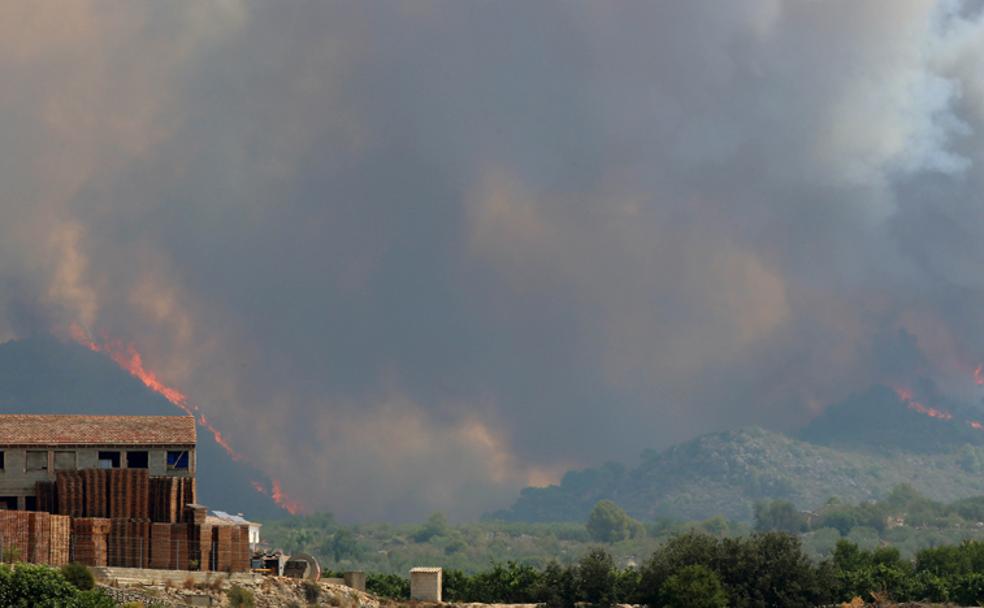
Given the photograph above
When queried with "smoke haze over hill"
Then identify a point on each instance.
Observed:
(417, 256)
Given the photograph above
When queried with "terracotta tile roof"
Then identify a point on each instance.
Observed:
(57, 429)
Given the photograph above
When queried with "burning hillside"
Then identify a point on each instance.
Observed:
(128, 358)
(46, 375)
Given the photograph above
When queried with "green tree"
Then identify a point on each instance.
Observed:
(694, 586)
(557, 587)
(509, 583)
(767, 569)
(342, 544)
(778, 516)
(596, 578)
(436, 525)
(608, 523)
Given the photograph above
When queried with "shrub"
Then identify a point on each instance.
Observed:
(34, 585)
(78, 575)
(240, 598)
(312, 591)
(694, 586)
(95, 598)
(392, 586)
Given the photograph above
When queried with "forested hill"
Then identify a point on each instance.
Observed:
(858, 450)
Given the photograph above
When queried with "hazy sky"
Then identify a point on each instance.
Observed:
(437, 251)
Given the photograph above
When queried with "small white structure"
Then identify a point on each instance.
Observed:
(254, 528)
(425, 584)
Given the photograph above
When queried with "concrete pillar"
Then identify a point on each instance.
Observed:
(356, 579)
(425, 584)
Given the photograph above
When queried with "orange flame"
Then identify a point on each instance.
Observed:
(979, 375)
(129, 359)
(278, 496)
(906, 396)
(283, 500)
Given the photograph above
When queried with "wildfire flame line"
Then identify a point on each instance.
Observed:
(129, 359)
(907, 397)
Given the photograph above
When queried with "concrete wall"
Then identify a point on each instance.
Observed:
(425, 584)
(16, 480)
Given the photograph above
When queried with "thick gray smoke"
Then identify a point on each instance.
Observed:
(436, 251)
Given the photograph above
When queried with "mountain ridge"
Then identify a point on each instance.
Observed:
(842, 454)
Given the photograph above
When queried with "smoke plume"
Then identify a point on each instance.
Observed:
(413, 257)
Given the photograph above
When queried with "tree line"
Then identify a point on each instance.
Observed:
(696, 570)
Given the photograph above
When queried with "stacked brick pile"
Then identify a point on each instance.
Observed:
(240, 548)
(90, 541)
(36, 537)
(231, 546)
(160, 545)
(223, 548)
(39, 534)
(180, 555)
(129, 543)
(47, 496)
(70, 492)
(125, 518)
(15, 534)
(204, 535)
(113, 493)
(96, 490)
(168, 497)
(61, 540)
(129, 494)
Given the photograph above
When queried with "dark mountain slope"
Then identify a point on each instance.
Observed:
(46, 376)
(878, 418)
(873, 442)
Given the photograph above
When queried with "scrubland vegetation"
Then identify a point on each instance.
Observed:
(906, 547)
(904, 519)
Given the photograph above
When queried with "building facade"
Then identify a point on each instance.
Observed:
(35, 448)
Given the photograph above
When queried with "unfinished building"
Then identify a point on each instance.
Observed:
(109, 491)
